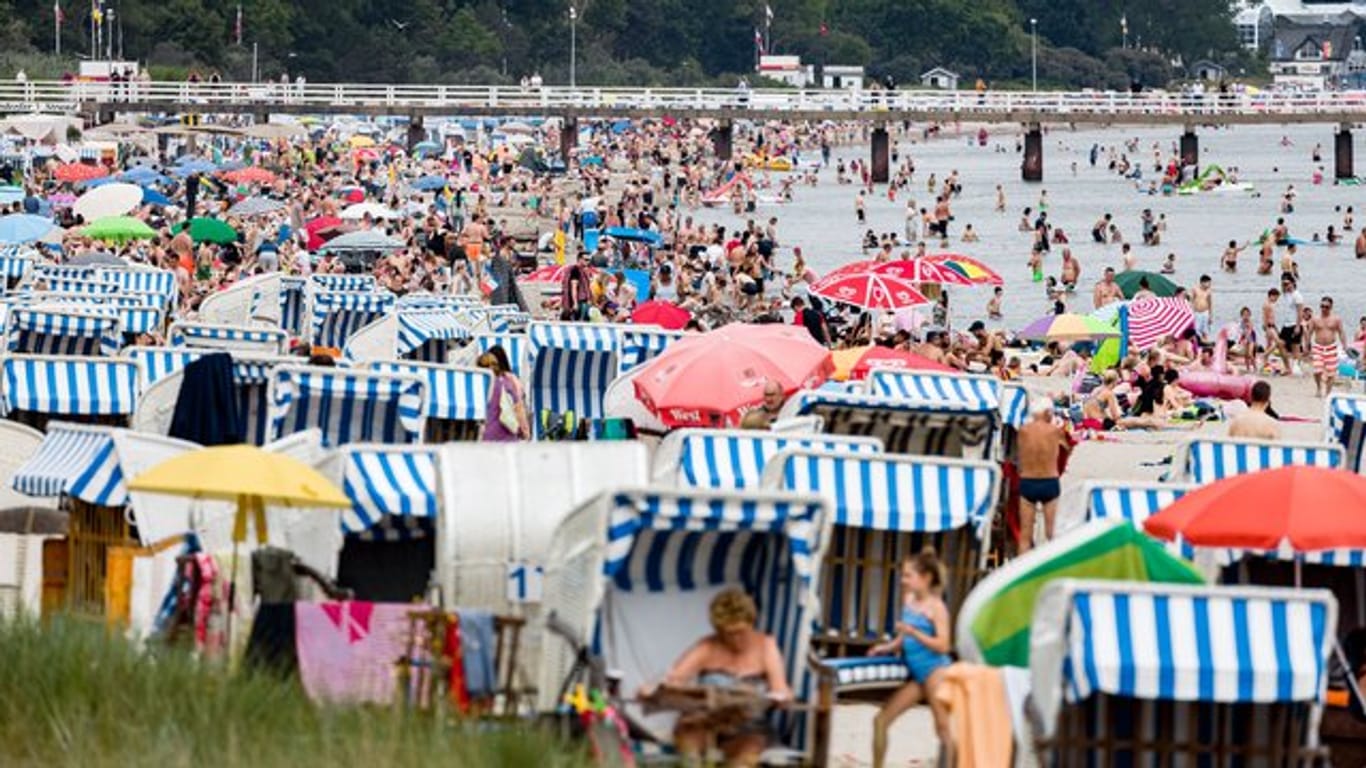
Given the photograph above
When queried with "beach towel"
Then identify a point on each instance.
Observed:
(478, 645)
(979, 715)
(348, 650)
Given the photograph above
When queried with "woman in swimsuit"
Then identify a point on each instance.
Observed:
(735, 655)
(923, 640)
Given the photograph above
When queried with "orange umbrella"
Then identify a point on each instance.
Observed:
(1305, 509)
(80, 172)
(973, 269)
(250, 175)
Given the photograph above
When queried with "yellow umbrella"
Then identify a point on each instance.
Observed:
(361, 140)
(244, 474)
(845, 360)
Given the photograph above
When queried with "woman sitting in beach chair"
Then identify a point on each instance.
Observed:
(736, 655)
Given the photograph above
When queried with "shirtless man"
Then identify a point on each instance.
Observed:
(1041, 443)
(1265, 256)
(472, 239)
(1202, 301)
(1229, 261)
(1255, 422)
(1270, 330)
(1071, 270)
(1325, 332)
(1361, 244)
(1107, 290)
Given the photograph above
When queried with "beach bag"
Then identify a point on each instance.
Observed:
(507, 412)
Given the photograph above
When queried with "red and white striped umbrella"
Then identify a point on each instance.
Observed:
(1152, 319)
(922, 271)
(869, 290)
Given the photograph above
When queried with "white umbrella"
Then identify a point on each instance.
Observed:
(364, 240)
(515, 126)
(519, 140)
(359, 211)
(108, 200)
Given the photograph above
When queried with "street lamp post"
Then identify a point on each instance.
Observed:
(1034, 54)
(573, 45)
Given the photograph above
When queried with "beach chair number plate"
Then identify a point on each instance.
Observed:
(524, 582)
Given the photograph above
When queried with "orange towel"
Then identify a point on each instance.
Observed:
(979, 715)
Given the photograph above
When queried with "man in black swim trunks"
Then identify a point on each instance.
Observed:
(1042, 448)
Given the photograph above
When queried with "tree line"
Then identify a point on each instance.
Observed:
(1080, 43)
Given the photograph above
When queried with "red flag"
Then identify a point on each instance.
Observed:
(825, 29)
(57, 13)
(759, 40)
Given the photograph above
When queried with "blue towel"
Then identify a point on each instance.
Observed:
(477, 646)
(206, 410)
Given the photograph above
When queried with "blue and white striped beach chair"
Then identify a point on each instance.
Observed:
(735, 458)
(348, 406)
(1206, 459)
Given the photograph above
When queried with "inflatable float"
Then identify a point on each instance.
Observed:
(1224, 386)
(721, 195)
(1214, 179)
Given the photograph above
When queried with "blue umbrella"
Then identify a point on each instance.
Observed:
(423, 147)
(97, 182)
(430, 184)
(152, 197)
(193, 166)
(19, 228)
(142, 176)
(652, 239)
(9, 194)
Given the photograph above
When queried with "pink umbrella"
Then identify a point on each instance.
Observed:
(852, 268)
(710, 380)
(869, 290)
(666, 315)
(921, 271)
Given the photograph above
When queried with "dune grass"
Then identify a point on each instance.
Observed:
(73, 695)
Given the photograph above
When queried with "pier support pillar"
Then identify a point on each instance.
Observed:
(1031, 168)
(1190, 151)
(882, 151)
(417, 132)
(262, 117)
(721, 140)
(1343, 166)
(569, 138)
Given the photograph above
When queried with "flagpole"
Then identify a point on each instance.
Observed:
(56, 29)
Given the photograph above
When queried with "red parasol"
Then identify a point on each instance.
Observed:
(869, 290)
(79, 172)
(664, 314)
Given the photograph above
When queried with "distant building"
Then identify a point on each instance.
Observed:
(788, 70)
(940, 78)
(1207, 70)
(842, 77)
(1255, 22)
(1311, 51)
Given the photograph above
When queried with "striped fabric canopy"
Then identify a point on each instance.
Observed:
(1168, 642)
(69, 285)
(387, 481)
(137, 313)
(641, 345)
(515, 345)
(903, 427)
(1134, 503)
(337, 315)
(571, 365)
(429, 301)
(660, 541)
(500, 318)
(63, 272)
(70, 386)
(68, 453)
(1210, 459)
(937, 391)
(251, 379)
(1014, 404)
(239, 338)
(726, 458)
(1343, 410)
(16, 263)
(347, 406)
(155, 282)
(1153, 318)
(454, 393)
(291, 311)
(422, 334)
(55, 330)
(344, 283)
(890, 493)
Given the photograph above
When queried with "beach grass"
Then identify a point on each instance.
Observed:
(72, 694)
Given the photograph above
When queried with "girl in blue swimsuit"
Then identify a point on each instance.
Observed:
(923, 640)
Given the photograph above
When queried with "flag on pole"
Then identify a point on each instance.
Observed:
(96, 12)
(768, 11)
(759, 41)
(57, 13)
(825, 29)
(238, 27)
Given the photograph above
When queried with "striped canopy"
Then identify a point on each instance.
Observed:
(1149, 320)
(70, 386)
(453, 393)
(902, 426)
(422, 334)
(344, 283)
(68, 454)
(387, 480)
(500, 318)
(735, 458)
(1167, 642)
(890, 492)
(157, 282)
(60, 330)
(16, 262)
(348, 406)
(337, 315)
(515, 345)
(570, 366)
(1014, 404)
(240, 338)
(1210, 459)
(641, 345)
(1134, 503)
(938, 391)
